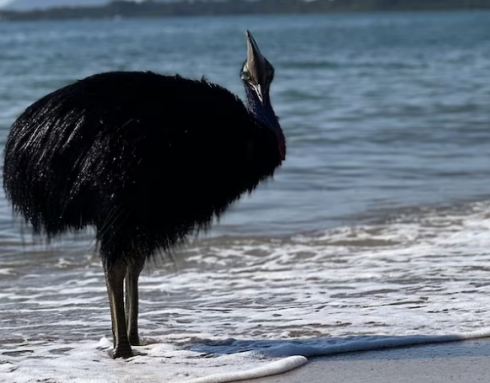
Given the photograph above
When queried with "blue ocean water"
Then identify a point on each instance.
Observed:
(381, 111)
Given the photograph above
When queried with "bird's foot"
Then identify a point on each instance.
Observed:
(124, 352)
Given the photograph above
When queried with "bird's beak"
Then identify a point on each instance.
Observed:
(256, 65)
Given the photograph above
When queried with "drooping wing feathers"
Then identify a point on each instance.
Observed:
(145, 158)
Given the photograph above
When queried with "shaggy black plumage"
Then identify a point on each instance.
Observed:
(144, 158)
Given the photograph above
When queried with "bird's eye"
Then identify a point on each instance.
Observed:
(245, 76)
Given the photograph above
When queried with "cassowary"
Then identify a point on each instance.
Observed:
(146, 159)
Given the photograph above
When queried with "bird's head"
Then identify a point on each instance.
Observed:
(257, 74)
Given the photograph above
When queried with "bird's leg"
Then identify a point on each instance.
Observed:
(133, 271)
(114, 275)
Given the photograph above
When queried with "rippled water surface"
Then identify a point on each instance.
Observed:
(377, 223)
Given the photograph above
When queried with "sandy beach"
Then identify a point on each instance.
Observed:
(461, 362)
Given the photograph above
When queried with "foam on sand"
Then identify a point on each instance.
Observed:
(88, 362)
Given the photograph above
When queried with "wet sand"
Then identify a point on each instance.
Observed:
(458, 362)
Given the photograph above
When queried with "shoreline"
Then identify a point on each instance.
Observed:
(453, 362)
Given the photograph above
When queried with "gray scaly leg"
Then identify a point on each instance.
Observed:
(133, 272)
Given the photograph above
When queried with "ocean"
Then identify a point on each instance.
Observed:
(377, 224)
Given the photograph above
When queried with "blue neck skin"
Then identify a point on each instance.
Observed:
(261, 112)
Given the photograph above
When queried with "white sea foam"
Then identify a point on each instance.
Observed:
(237, 308)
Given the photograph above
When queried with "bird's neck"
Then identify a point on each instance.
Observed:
(263, 113)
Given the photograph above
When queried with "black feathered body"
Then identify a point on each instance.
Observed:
(144, 158)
